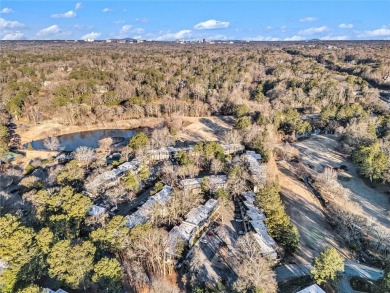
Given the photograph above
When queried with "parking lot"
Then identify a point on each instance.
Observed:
(215, 254)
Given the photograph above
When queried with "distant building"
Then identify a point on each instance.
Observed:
(89, 40)
(312, 289)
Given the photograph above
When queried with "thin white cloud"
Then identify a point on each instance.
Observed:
(346, 25)
(82, 26)
(313, 30)
(142, 19)
(78, 5)
(68, 14)
(220, 37)
(211, 24)
(138, 30)
(14, 36)
(263, 38)
(8, 24)
(294, 38)
(105, 10)
(91, 35)
(50, 31)
(380, 32)
(183, 34)
(334, 38)
(119, 21)
(6, 10)
(308, 19)
(125, 28)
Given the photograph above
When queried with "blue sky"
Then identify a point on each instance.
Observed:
(195, 20)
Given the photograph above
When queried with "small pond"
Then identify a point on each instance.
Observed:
(71, 141)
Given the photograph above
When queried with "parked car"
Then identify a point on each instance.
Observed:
(202, 240)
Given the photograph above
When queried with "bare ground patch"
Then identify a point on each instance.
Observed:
(309, 217)
(320, 151)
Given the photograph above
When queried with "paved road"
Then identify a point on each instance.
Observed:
(287, 272)
(128, 208)
(351, 269)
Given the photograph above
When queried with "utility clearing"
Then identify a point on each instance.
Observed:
(308, 216)
(320, 151)
(305, 209)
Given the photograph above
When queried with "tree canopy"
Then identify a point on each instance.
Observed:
(327, 265)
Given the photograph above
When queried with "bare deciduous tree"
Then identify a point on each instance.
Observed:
(118, 193)
(52, 143)
(329, 176)
(232, 137)
(105, 145)
(84, 155)
(168, 173)
(254, 272)
(216, 166)
(161, 138)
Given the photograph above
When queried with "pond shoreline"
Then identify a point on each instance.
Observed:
(51, 128)
(90, 138)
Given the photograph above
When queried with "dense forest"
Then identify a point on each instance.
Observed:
(80, 84)
(275, 93)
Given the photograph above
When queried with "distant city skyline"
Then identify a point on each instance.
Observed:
(195, 20)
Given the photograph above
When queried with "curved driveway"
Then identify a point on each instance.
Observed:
(351, 269)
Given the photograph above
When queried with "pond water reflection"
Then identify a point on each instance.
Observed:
(71, 141)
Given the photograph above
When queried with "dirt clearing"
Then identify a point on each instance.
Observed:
(320, 151)
(308, 216)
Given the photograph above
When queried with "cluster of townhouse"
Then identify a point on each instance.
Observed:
(215, 182)
(256, 219)
(112, 175)
(256, 168)
(199, 217)
(171, 152)
(144, 213)
(152, 155)
(196, 221)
